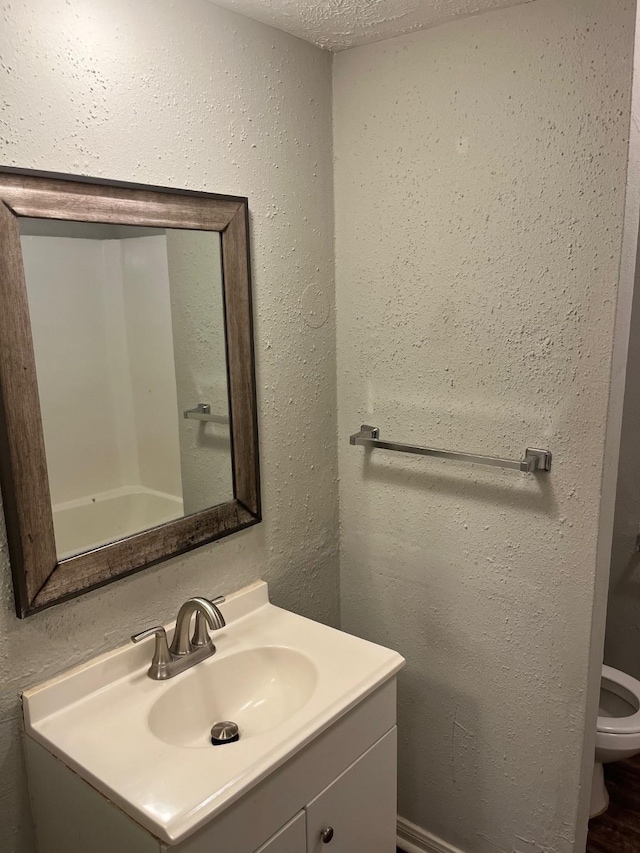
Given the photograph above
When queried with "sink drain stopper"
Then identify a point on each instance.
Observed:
(224, 732)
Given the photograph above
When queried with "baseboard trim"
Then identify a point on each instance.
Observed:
(415, 839)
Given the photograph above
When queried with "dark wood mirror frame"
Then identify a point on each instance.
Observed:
(39, 579)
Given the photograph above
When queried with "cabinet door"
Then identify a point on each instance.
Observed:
(290, 839)
(357, 812)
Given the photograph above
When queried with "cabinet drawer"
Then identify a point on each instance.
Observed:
(357, 812)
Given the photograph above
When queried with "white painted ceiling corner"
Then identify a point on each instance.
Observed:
(340, 24)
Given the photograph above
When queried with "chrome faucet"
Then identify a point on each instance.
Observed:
(184, 652)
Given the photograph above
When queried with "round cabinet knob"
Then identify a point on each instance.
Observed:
(326, 834)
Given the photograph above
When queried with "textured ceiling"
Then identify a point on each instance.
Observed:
(339, 24)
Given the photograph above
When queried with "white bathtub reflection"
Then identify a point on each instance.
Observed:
(87, 523)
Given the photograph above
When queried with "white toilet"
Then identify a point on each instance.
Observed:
(618, 731)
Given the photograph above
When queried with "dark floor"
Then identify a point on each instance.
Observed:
(618, 829)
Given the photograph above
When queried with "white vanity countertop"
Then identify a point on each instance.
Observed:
(96, 718)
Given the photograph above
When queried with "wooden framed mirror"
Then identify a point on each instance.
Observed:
(127, 379)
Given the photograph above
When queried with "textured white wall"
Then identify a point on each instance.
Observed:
(480, 172)
(187, 95)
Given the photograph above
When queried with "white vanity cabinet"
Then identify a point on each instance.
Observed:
(356, 812)
(292, 838)
(338, 794)
(121, 763)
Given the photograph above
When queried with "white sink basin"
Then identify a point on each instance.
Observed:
(257, 689)
(145, 744)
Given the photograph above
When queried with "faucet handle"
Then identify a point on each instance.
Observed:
(161, 654)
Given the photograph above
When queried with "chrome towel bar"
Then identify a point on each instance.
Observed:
(534, 459)
(202, 412)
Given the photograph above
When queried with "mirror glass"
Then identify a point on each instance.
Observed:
(129, 339)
